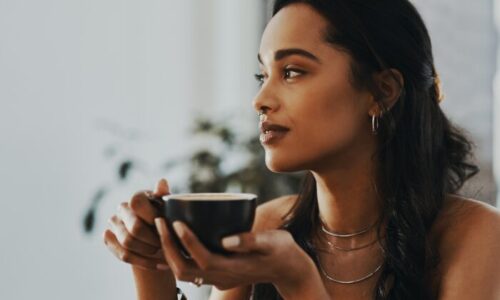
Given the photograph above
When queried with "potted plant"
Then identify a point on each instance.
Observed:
(207, 172)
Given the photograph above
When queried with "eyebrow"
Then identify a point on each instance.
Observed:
(281, 54)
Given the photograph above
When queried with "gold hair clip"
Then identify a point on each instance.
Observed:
(438, 89)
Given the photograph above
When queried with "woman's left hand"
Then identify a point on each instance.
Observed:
(268, 256)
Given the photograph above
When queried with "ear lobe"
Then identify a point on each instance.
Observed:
(389, 84)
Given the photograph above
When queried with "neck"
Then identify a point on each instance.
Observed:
(347, 197)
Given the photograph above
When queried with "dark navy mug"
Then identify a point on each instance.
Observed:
(211, 216)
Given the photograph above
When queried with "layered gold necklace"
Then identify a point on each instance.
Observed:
(333, 247)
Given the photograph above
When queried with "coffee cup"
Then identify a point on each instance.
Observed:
(211, 216)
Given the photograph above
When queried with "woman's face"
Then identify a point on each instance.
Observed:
(306, 87)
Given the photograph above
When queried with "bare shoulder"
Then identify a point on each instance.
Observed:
(272, 214)
(466, 216)
(463, 221)
(467, 234)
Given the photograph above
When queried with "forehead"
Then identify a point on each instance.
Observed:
(294, 26)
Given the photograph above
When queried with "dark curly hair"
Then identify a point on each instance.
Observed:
(421, 155)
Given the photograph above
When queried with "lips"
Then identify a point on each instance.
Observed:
(271, 133)
(268, 126)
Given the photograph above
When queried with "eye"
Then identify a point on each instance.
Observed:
(260, 78)
(291, 73)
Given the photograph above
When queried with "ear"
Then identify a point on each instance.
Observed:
(388, 84)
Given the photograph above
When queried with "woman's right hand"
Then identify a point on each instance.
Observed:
(132, 236)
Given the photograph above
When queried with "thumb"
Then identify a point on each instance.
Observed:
(161, 188)
(149, 205)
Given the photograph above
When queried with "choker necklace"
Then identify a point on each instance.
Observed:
(343, 235)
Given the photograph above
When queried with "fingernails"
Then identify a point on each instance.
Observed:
(179, 228)
(157, 186)
(231, 242)
(160, 225)
(161, 187)
(150, 195)
(163, 181)
(162, 267)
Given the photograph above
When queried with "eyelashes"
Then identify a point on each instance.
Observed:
(287, 74)
(260, 78)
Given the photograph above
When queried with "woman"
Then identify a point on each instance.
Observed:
(348, 92)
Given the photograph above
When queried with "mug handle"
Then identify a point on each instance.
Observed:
(157, 202)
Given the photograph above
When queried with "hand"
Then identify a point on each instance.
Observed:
(269, 256)
(132, 237)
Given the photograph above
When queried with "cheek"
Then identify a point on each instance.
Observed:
(326, 118)
(333, 120)
(333, 123)
(319, 131)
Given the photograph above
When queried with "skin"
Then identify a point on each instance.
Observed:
(315, 98)
(287, 266)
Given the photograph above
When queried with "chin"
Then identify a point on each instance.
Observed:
(283, 165)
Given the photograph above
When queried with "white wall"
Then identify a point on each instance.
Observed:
(496, 106)
(72, 72)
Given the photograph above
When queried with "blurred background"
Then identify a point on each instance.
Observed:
(102, 98)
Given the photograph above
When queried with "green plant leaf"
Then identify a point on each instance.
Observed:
(124, 169)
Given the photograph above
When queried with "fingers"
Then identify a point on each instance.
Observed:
(203, 258)
(262, 242)
(128, 240)
(183, 270)
(142, 207)
(141, 203)
(136, 227)
(127, 256)
(132, 237)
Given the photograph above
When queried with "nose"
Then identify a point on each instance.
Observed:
(266, 100)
